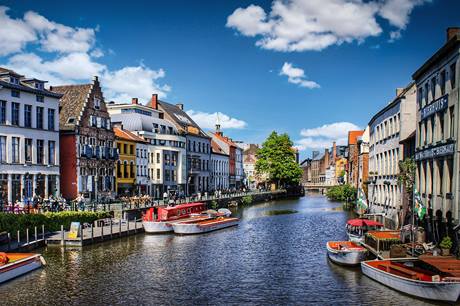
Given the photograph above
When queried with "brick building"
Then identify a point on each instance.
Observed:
(87, 151)
(353, 158)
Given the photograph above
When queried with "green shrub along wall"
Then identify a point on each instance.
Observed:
(52, 221)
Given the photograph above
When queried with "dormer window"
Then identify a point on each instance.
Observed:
(14, 80)
(97, 103)
(39, 85)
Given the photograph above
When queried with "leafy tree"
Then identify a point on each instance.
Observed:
(342, 193)
(276, 159)
(406, 176)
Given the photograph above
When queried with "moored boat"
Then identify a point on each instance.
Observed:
(159, 220)
(357, 228)
(345, 252)
(430, 278)
(13, 265)
(204, 226)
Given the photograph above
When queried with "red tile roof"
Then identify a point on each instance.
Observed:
(127, 135)
(353, 136)
(216, 148)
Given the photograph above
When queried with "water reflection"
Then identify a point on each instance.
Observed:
(265, 260)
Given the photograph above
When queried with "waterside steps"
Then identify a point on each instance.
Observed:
(95, 234)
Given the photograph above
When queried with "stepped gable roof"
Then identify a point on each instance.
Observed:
(72, 103)
(127, 135)
(353, 137)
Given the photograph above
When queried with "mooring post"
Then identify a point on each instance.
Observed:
(62, 235)
(27, 235)
(19, 238)
(9, 241)
(111, 229)
(43, 231)
(119, 227)
(36, 234)
(81, 235)
(135, 225)
(102, 231)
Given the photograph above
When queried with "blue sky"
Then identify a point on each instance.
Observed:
(192, 52)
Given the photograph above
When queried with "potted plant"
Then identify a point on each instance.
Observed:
(445, 245)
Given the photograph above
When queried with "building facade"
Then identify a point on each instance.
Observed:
(219, 168)
(437, 151)
(166, 148)
(353, 156)
(387, 128)
(29, 139)
(249, 165)
(363, 160)
(87, 142)
(198, 147)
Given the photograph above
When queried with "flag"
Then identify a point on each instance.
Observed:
(361, 201)
(419, 207)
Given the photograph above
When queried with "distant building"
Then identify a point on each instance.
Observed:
(437, 145)
(29, 138)
(219, 168)
(353, 158)
(306, 171)
(363, 160)
(87, 151)
(249, 165)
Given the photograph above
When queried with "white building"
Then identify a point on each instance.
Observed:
(386, 129)
(29, 138)
(219, 168)
(166, 148)
(142, 167)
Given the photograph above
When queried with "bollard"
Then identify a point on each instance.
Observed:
(62, 235)
(19, 238)
(111, 230)
(135, 225)
(127, 222)
(81, 235)
(43, 231)
(119, 227)
(27, 235)
(9, 241)
(92, 233)
(36, 234)
(102, 231)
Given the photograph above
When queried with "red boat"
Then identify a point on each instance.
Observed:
(160, 219)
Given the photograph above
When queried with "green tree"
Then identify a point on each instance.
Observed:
(276, 160)
(406, 176)
(342, 193)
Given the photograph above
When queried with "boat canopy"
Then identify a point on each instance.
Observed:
(364, 222)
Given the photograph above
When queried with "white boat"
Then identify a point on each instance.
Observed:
(204, 226)
(18, 264)
(345, 252)
(420, 278)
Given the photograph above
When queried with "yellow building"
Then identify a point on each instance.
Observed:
(126, 164)
(340, 169)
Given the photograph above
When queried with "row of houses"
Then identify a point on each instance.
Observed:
(68, 140)
(420, 123)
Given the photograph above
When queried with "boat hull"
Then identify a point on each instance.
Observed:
(441, 291)
(190, 229)
(20, 267)
(157, 227)
(346, 257)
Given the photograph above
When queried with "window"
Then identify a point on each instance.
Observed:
(433, 88)
(40, 98)
(15, 113)
(15, 93)
(15, 150)
(28, 116)
(131, 169)
(118, 169)
(125, 148)
(167, 176)
(426, 89)
(14, 80)
(40, 152)
(28, 150)
(131, 149)
(2, 149)
(452, 122)
(137, 152)
(442, 82)
(51, 153)
(158, 174)
(453, 79)
(39, 117)
(441, 125)
(51, 119)
(2, 112)
(97, 103)
(158, 158)
(125, 170)
(39, 85)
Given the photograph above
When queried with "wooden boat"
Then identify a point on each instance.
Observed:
(433, 278)
(204, 226)
(13, 265)
(345, 252)
(158, 220)
(357, 228)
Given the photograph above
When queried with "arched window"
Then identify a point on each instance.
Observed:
(118, 169)
(131, 169)
(125, 169)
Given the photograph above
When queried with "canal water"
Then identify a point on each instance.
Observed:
(272, 257)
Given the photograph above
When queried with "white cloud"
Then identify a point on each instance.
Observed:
(322, 137)
(299, 25)
(70, 57)
(297, 76)
(209, 120)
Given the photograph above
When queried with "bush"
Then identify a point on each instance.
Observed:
(446, 243)
(342, 193)
(247, 200)
(51, 220)
(214, 204)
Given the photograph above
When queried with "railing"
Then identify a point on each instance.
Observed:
(23, 241)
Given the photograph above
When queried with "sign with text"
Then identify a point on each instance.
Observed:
(437, 106)
(440, 151)
(74, 230)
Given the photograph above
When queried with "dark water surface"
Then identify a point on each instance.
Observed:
(266, 260)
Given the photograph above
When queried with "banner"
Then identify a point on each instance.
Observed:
(361, 201)
(419, 207)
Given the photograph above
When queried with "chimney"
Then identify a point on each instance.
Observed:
(180, 105)
(134, 101)
(334, 151)
(452, 31)
(154, 101)
(399, 90)
(314, 154)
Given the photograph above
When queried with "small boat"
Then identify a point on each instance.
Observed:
(433, 278)
(204, 226)
(13, 265)
(357, 228)
(159, 220)
(345, 252)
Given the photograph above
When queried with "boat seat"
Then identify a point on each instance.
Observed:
(390, 266)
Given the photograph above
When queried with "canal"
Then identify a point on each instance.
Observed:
(275, 256)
